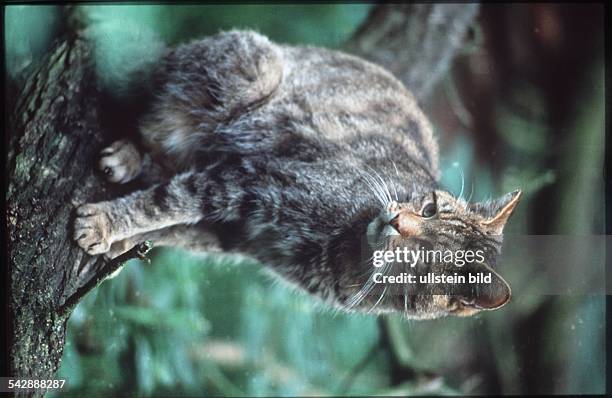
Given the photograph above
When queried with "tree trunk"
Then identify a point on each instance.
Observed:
(55, 134)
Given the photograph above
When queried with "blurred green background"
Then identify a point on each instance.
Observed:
(522, 106)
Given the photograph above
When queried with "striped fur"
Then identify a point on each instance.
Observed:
(289, 155)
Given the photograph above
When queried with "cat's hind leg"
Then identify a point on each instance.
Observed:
(204, 85)
(120, 162)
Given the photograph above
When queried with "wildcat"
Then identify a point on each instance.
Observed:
(305, 159)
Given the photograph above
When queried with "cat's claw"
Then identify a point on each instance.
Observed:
(120, 162)
(92, 229)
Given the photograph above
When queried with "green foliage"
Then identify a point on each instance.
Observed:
(28, 31)
(325, 25)
(149, 323)
(129, 38)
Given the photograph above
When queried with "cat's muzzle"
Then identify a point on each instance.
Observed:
(382, 226)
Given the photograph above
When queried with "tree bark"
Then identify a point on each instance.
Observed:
(55, 134)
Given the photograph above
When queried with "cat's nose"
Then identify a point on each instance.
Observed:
(395, 222)
(407, 223)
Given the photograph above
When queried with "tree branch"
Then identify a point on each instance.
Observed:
(139, 251)
(416, 42)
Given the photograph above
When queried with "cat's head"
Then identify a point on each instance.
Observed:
(454, 238)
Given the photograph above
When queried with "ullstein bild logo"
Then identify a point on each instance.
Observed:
(432, 278)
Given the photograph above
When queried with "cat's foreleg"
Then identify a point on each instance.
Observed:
(186, 199)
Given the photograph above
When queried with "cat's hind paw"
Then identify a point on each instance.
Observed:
(120, 162)
(92, 229)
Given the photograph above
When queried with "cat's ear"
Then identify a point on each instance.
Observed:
(497, 212)
(489, 296)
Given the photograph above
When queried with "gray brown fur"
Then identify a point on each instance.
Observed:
(286, 154)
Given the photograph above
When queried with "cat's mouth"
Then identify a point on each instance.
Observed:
(383, 225)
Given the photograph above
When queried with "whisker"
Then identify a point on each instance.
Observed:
(406, 299)
(398, 176)
(353, 285)
(379, 299)
(387, 267)
(367, 287)
(462, 183)
(379, 189)
(370, 182)
(395, 166)
(394, 190)
(376, 187)
(384, 184)
(471, 193)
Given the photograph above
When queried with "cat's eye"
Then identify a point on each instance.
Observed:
(429, 210)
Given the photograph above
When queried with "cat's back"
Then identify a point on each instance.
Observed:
(238, 92)
(341, 97)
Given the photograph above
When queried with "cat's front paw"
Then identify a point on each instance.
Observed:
(120, 162)
(92, 228)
